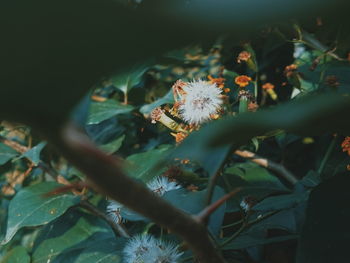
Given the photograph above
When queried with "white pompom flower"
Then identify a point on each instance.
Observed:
(113, 211)
(160, 185)
(147, 249)
(202, 99)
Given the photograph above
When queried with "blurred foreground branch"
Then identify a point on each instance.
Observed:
(105, 173)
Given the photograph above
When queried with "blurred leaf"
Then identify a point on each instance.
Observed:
(100, 111)
(65, 239)
(6, 153)
(113, 146)
(30, 207)
(51, 73)
(311, 179)
(34, 153)
(130, 77)
(167, 99)
(16, 255)
(309, 115)
(194, 202)
(142, 165)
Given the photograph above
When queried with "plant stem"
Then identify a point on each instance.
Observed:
(279, 169)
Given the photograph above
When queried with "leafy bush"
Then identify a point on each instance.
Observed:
(123, 140)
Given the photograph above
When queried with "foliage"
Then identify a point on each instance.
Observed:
(242, 127)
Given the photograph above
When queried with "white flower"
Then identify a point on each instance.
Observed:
(161, 185)
(245, 205)
(147, 249)
(201, 100)
(113, 211)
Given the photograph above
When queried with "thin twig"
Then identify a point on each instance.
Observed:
(105, 173)
(246, 225)
(117, 228)
(206, 212)
(279, 169)
(212, 181)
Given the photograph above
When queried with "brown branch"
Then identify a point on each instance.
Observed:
(22, 149)
(117, 228)
(279, 169)
(105, 173)
(14, 145)
(206, 212)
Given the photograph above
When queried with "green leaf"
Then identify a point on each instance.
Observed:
(102, 251)
(66, 239)
(195, 202)
(34, 153)
(167, 99)
(130, 76)
(254, 180)
(16, 255)
(142, 165)
(113, 146)
(281, 202)
(245, 241)
(6, 153)
(30, 207)
(100, 111)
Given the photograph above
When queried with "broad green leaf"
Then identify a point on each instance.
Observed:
(6, 153)
(195, 202)
(34, 153)
(113, 146)
(16, 255)
(30, 207)
(130, 76)
(167, 99)
(142, 165)
(65, 239)
(281, 202)
(254, 181)
(100, 111)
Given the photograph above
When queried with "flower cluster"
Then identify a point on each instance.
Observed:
(147, 249)
(196, 102)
